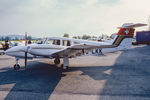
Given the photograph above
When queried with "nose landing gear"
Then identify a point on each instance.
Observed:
(17, 66)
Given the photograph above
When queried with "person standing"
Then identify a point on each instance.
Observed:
(6, 45)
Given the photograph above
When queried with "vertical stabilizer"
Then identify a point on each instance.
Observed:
(124, 37)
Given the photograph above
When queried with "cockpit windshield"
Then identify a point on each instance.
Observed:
(42, 41)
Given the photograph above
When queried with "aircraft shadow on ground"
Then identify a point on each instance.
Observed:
(38, 78)
(130, 76)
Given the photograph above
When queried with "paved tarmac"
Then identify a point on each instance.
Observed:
(123, 75)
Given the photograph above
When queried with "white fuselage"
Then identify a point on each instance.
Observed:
(34, 50)
(48, 48)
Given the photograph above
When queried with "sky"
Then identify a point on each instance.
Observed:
(42, 18)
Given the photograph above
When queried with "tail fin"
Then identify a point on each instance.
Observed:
(125, 35)
(128, 29)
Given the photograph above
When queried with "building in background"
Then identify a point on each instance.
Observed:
(15, 37)
(11, 37)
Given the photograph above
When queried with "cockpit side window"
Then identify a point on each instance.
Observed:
(43, 41)
(49, 41)
(54, 42)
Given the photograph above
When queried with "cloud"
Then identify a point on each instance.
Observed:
(76, 17)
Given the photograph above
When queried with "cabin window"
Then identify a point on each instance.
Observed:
(56, 42)
(66, 43)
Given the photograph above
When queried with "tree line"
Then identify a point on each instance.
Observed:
(85, 37)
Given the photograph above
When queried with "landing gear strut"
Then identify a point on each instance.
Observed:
(57, 61)
(65, 66)
(17, 66)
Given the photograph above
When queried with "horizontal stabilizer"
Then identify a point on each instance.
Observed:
(131, 25)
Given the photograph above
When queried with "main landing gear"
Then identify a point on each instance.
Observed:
(17, 66)
(65, 64)
(57, 61)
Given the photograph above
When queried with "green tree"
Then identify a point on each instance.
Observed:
(75, 37)
(66, 35)
(86, 37)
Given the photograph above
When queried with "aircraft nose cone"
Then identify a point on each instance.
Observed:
(7, 51)
(16, 49)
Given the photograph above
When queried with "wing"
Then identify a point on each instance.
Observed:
(76, 50)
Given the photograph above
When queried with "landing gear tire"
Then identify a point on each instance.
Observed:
(64, 68)
(16, 67)
(57, 61)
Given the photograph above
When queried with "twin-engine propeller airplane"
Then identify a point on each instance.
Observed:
(67, 48)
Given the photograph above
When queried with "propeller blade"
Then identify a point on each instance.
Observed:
(25, 57)
(26, 39)
(25, 61)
